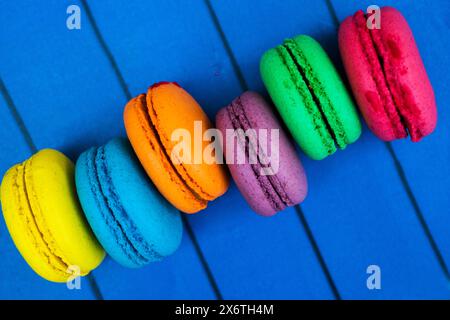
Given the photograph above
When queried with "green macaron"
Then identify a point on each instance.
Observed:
(310, 96)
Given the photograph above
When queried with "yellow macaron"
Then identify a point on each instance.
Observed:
(45, 220)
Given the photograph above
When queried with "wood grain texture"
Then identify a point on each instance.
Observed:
(250, 257)
(357, 207)
(17, 280)
(67, 93)
(70, 87)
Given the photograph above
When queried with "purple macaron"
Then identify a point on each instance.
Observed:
(262, 160)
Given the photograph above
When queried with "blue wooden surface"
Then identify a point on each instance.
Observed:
(374, 203)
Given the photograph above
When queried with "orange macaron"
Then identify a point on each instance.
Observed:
(150, 121)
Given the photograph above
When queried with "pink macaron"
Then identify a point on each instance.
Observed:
(275, 178)
(387, 76)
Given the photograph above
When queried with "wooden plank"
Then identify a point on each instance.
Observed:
(425, 164)
(14, 148)
(65, 89)
(357, 207)
(250, 257)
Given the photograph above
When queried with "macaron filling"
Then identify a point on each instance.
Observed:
(269, 184)
(125, 232)
(155, 144)
(151, 116)
(31, 216)
(316, 100)
(393, 99)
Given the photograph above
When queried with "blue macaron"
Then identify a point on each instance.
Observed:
(131, 220)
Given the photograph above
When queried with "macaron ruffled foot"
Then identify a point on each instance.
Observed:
(387, 76)
(150, 121)
(310, 96)
(261, 159)
(132, 221)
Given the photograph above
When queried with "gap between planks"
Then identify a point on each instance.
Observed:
(126, 91)
(32, 147)
(404, 180)
(238, 72)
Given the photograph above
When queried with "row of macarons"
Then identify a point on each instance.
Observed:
(62, 217)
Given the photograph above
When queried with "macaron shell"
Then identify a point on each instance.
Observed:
(243, 174)
(133, 222)
(290, 171)
(105, 226)
(418, 103)
(46, 221)
(289, 174)
(208, 180)
(53, 177)
(155, 219)
(154, 159)
(26, 235)
(360, 75)
(291, 106)
(53, 174)
(343, 117)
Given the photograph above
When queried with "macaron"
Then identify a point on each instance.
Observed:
(151, 121)
(269, 175)
(387, 76)
(310, 96)
(45, 220)
(131, 220)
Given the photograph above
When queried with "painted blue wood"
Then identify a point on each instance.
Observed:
(14, 147)
(426, 163)
(66, 91)
(172, 278)
(357, 207)
(250, 257)
(17, 280)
